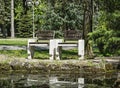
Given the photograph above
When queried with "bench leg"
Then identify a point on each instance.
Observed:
(58, 49)
(81, 45)
(58, 52)
(30, 52)
(30, 49)
(52, 49)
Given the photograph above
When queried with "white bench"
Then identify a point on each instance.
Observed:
(55, 45)
(43, 40)
(70, 35)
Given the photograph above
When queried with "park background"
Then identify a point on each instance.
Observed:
(98, 19)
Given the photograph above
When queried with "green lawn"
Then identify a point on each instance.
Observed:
(43, 54)
(15, 41)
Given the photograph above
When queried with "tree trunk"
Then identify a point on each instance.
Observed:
(87, 27)
(12, 19)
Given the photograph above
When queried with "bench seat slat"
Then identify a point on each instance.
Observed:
(38, 42)
(68, 44)
(40, 45)
(72, 34)
(45, 34)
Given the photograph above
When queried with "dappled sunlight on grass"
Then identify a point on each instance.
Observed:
(15, 53)
(70, 54)
(41, 54)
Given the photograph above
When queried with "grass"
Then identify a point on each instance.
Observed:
(70, 54)
(66, 54)
(43, 54)
(15, 41)
(40, 54)
(15, 53)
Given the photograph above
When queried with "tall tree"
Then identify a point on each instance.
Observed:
(2, 13)
(12, 19)
(88, 14)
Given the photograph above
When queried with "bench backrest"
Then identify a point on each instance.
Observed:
(72, 34)
(45, 34)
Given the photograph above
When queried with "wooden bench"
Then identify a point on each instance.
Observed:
(69, 37)
(42, 39)
(72, 35)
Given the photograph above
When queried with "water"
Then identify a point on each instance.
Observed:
(18, 80)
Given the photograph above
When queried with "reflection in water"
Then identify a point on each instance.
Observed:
(58, 81)
(81, 82)
(54, 81)
(117, 82)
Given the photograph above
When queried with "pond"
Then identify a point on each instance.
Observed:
(55, 80)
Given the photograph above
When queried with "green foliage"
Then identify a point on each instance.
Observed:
(55, 15)
(23, 22)
(24, 27)
(2, 12)
(63, 15)
(18, 11)
(105, 36)
(4, 16)
(58, 34)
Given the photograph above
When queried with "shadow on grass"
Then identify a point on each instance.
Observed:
(69, 54)
(66, 54)
(41, 54)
